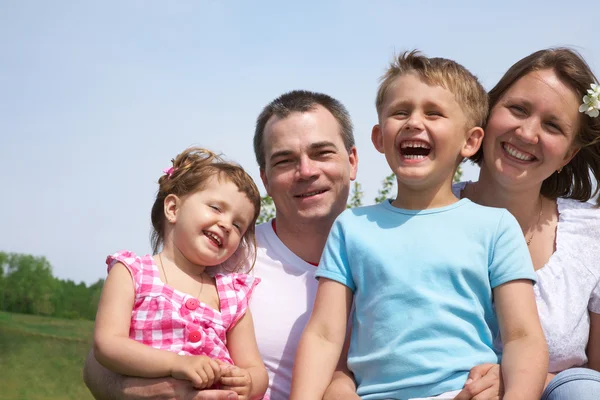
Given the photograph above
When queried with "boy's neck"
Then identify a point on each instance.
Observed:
(414, 198)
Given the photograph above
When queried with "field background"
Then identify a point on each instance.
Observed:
(42, 357)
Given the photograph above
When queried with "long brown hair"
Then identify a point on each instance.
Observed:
(575, 179)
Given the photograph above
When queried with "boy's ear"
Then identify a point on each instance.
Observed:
(171, 205)
(377, 138)
(474, 137)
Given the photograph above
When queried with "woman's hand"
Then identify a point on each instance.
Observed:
(484, 383)
(202, 371)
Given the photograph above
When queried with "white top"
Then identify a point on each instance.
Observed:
(568, 286)
(281, 306)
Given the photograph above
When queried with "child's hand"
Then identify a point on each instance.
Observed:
(203, 371)
(236, 379)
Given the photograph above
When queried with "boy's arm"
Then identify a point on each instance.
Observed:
(342, 386)
(322, 341)
(525, 355)
(241, 343)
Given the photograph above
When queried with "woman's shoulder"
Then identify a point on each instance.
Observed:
(578, 230)
(580, 214)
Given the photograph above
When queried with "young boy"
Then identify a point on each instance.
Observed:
(434, 279)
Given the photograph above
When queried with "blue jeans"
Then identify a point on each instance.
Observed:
(574, 384)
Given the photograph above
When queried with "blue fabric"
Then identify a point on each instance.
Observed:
(574, 384)
(422, 283)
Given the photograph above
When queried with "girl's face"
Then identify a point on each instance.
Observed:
(532, 129)
(210, 223)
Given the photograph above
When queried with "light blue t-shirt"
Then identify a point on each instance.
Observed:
(422, 283)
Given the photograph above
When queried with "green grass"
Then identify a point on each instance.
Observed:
(42, 357)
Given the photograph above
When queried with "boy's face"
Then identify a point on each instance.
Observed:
(423, 133)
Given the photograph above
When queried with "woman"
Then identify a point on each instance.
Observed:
(537, 160)
(540, 150)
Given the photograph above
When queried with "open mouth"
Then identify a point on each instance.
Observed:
(310, 194)
(414, 149)
(213, 238)
(516, 153)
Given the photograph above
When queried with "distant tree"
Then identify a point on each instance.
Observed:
(267, 209)
(3, 263)
(356, 196)
(29, 284)
(458, 174)
(387, 185)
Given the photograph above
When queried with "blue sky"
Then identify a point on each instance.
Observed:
(97, 97)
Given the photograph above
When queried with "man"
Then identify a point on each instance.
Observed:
(304, 146)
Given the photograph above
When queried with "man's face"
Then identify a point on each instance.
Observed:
(308, 169)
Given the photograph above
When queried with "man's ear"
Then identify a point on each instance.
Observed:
(473, 140)
(377, 138)
(265, 181)
(171, 206)
(353, 158)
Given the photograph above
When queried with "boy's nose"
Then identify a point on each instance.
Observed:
(415, 122)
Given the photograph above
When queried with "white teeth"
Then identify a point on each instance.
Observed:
(516, 153)
(414, 157)
(312, 193)
(214, 237)
(414, 143)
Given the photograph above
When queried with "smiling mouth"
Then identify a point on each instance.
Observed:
(414, 149)
(310, 194)
(214, 238)
(516, 153)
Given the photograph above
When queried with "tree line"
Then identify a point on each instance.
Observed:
(27, 286)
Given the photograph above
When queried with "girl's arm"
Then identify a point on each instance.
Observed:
(525, 355)
(112, 346)
(322, 341)
(250, 380)
(593, 346)
(116, 351)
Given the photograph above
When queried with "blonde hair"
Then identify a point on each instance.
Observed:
(450, 75)
(191, 171)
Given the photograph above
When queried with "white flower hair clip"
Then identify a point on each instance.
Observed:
(591, 101)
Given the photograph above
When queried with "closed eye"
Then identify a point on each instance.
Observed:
(517, 110)
(216, 208)
(554, 127)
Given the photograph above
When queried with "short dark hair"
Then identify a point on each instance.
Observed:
(301, 101)
(574, 181)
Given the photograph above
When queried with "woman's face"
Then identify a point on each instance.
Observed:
(531, 131)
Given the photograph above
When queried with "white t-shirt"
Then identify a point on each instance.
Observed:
(568, 286)
(281, 306)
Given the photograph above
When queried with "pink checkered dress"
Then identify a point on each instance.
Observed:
(168, 319)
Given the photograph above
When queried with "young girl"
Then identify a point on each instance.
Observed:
(169, 314)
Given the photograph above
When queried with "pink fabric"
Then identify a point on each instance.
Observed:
(168, 319)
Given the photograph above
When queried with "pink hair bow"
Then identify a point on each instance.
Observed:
(169, 171)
